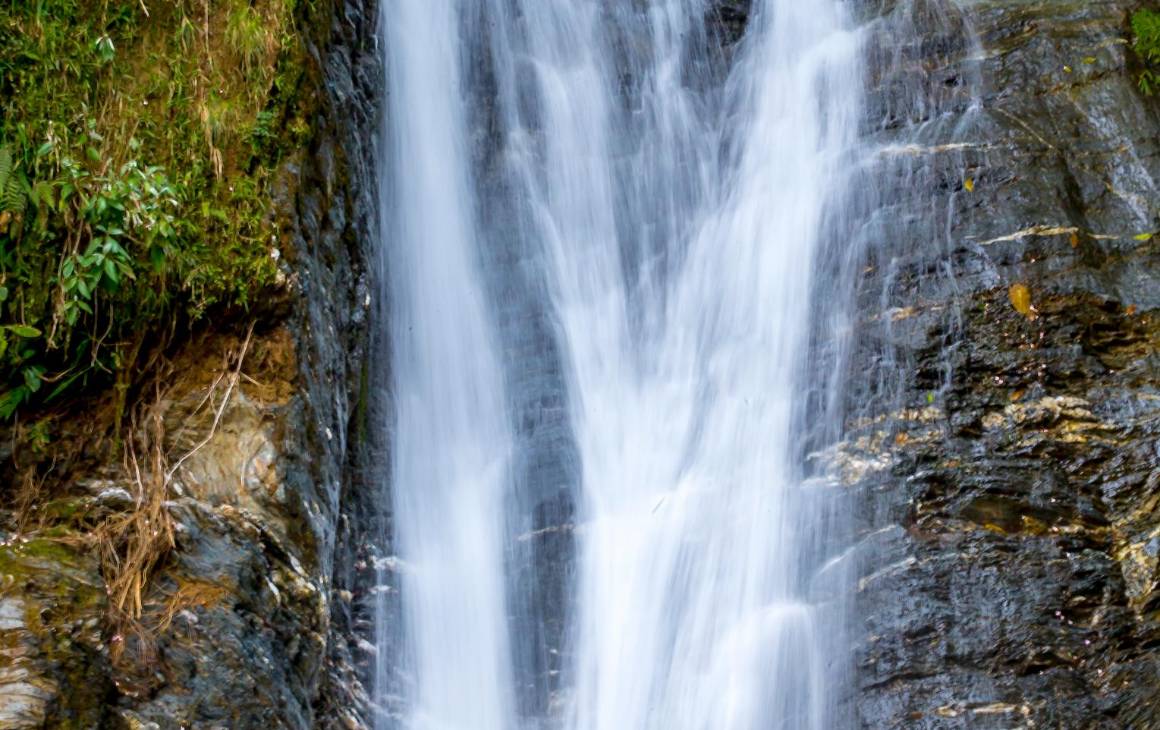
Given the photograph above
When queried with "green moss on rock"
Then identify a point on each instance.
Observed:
(57, 645)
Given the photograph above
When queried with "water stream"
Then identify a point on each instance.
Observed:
(601, 229)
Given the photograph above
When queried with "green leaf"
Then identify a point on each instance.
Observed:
(114, 248)
(11, 400)
(23, 330)
(32, 378)
(63, 386)
(111, 271)
(104, 49)
(41, 193)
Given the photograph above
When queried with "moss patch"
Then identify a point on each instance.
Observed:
(63, 600)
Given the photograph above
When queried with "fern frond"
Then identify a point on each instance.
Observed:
(5, 168)
(12, 194)
(13, 197)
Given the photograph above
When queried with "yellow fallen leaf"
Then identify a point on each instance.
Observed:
(1020, 297)
(1067, 69)
(1089, 60)
(1074, 239)
(1143, 236)
(969, 184)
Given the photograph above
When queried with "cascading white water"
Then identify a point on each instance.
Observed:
(451, 442)
(673, 213)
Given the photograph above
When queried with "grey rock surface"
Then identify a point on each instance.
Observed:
(1003, 387)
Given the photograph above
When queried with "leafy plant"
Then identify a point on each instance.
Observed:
(136, 153)
(1146, 43)
(12, 190)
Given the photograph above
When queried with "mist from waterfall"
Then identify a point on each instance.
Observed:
(657, 201)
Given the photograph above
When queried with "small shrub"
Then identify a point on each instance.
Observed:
(1146, 43)
(136, 152)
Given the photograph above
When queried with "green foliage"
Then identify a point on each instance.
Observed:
(12, 194)
(136, 152)
(248, 36)
(1146, 43)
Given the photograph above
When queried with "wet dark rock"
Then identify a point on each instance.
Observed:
(729, 18)
(1010, 494)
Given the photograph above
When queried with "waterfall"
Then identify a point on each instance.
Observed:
(451, 444)
(601, 227)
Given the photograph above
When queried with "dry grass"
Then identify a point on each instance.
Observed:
(189, 594)
(133, 545)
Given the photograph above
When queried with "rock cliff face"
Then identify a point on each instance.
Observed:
(253, 434)
(1008, 470)
(1001, 452)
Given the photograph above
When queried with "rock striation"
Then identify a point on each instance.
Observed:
(1007, 470)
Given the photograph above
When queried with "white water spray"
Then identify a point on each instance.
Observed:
(676, 203)
(451, 442)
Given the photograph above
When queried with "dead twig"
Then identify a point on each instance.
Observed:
(221, 408)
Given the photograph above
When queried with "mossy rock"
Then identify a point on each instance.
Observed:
(57, 642)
